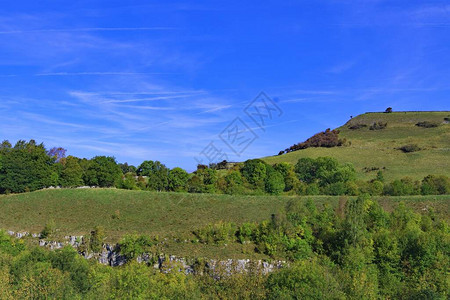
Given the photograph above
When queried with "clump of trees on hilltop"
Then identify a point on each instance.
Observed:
(28, 166)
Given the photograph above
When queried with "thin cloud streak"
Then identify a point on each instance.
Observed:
(101, 73)
(88, 29)
(145, 99)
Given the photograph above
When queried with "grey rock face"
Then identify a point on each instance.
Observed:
(110, 255)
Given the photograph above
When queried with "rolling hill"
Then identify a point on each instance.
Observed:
(370, 150)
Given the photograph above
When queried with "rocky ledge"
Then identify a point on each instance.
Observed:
(111, 256)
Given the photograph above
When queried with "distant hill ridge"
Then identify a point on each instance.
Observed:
(377, 148)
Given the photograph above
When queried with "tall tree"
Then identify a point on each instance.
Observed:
(103, 171)
(178, 179)
(157, 173)
(25, 167)
(71, 173)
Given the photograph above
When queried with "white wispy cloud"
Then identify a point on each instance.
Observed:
(175, 96)
(86, 29)
(100, 73)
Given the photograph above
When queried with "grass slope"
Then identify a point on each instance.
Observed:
(77, 211)
(377, 148)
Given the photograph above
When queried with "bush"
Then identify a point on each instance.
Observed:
(427, 124)
(403, 187)
(336, 189)
(132, 246)
(410, 148)
(220, 233)
(129, 182)
(312, 189)
(233, 183)
(245, 232)
(96, 239)
(376, 188)
(434, 185)
(323, 170)
(357, 126)
(305, 280)
(378, 125)
(49, 229)
(328, 138)
(274, 183)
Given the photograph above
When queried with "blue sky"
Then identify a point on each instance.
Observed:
(160, 80)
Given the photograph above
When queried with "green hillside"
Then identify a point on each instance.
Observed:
(372, 149)
(171, 215)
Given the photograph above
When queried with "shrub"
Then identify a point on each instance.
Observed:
(403, 187)
(245, 232)
(380, 176)
(132, 246)
(410, 148)
(336, 189)
(312, 189)
(351, 188)
(323, 170)
(427, 124)
(49, 229)
(220, 233)
(305, 280)
(378, 125)
(376, 188)
(434, 185)
(129, 182)
(328, 138)
(233, 183)
(274, 183)
(357, 126)
(96, 239)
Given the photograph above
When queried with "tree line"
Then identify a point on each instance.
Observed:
(28, 166)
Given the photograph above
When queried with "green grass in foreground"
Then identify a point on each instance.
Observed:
(377, 148)
(77, 211)
(167, 215)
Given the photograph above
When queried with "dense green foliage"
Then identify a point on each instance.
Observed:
(358, 251)
(28, 167)
(25, 167)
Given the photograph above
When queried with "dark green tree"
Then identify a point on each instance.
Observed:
(233, 181)
(71, 173)
(274, 182)
(102, 171)
(157, 174)
(178, 179)
(25, 167)
(254, 172)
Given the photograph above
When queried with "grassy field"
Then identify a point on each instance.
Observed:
(77, 211)
(377, 148)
